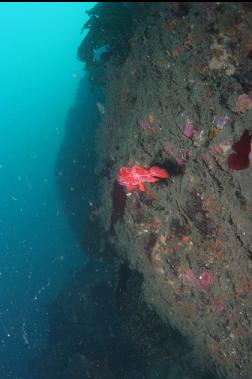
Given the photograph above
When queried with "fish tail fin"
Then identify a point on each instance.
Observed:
(159, 172)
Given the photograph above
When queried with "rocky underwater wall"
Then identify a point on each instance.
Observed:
(170, 270)
(182, 100)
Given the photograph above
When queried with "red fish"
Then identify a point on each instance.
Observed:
(133, 177)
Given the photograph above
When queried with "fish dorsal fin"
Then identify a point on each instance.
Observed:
(139, 170)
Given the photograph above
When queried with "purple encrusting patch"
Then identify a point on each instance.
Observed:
(221, 121)
(182, 157)
(144, 124)
(189, 130)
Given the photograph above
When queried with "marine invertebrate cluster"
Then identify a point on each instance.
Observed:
(189, 130)
(244, 103)
(182, 157)
(240, 159)
(221, 59)
(217, 304)
(144, 124)
(205, 279)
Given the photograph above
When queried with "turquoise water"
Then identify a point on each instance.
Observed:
(39, 76)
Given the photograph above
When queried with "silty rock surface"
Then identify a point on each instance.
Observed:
(181, 100)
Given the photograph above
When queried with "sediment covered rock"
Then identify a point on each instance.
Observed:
(181, 100)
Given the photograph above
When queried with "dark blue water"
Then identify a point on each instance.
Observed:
(39, 254)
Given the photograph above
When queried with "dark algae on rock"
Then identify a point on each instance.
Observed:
(175, 255)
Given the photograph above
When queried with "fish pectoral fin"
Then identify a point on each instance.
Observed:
(142, 187)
